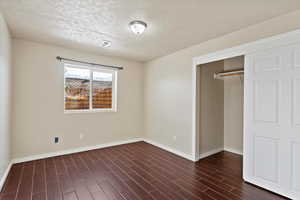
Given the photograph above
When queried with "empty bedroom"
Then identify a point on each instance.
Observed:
(149, 100)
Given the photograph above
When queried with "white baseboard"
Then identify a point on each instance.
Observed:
(231, 150)
(81, 149)
(215, 151)
(5, 175)
(169, 149)
(76, 150)
(212, 152)
(59, 153)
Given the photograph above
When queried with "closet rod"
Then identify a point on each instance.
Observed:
(224, 74)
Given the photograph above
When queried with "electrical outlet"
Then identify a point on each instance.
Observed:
(175, 138)
(56, 139)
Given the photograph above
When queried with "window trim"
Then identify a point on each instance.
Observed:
(93, 69)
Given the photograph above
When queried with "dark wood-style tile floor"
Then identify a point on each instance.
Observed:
(137, 171)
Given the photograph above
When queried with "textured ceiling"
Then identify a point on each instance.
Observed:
(172, 24)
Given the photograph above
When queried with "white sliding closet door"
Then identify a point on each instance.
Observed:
(272, 120)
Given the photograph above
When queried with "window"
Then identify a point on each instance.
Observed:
(89, 89)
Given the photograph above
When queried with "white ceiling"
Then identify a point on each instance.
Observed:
(172, 24)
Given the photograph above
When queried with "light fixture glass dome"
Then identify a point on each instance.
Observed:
(138, 27)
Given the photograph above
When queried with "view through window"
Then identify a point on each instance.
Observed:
(89, 89)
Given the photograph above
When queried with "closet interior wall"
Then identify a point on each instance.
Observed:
(221, 108)
(211, 100)
(233, 107)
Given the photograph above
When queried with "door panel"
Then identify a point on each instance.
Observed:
(266, 149)
(295, 102)
(296, 57)
(295, 167)
(272, 120)
(267, 63)
(266, 101)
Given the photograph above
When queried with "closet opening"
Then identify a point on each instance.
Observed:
(220, 99)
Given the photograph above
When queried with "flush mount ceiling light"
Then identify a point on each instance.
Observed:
(106, 43)
(137, 27)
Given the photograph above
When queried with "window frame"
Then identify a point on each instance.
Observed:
(93, 69)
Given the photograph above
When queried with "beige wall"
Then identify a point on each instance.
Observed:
(168, 82)
(38, 102)
(5, 94)
(233, 107)
(211, 126)
(38, 95)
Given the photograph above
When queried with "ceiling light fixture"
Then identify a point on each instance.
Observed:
(137, 27)
(106, 43)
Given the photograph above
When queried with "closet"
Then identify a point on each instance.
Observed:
(249, 105)
(253, 111)
(221, 97)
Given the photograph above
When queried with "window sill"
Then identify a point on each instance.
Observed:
(89, 111)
